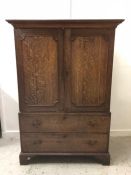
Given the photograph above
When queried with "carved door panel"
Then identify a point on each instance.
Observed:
(88, 79)
(39, 58)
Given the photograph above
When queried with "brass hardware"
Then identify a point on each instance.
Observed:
(37, 142)
(36, 123)
(91, 142)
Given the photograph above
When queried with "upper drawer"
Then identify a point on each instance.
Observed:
(64, 123)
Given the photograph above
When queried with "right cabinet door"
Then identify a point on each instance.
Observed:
(88, 69)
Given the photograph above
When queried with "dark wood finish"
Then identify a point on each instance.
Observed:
(106, 23)
(64, 142)
(26, 158)
(39, 63)
(87, 58)
(104, 159)
(49, 122)
(64, 72)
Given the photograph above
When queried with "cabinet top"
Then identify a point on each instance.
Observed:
(104, 23)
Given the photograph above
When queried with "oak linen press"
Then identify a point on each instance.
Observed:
(64, 72)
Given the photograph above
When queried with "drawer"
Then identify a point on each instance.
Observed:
(64, 142)
(64, 123)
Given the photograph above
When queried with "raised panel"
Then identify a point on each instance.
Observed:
(89, 65)
(88, 61)
(40, 66)
(39, 57)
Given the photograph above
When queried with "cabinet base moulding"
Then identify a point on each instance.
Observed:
(103, 158)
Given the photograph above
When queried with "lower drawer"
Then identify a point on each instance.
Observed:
(64, 142)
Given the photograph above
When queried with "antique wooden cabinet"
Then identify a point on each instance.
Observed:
(64, 80)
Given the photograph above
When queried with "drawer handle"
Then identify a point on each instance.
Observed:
(37, 142)
(64, 118)
(92, 124)
(36, 123)
(64, 136)
(91, 142)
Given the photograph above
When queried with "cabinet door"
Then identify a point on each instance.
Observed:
(39, 56)
(88, 60)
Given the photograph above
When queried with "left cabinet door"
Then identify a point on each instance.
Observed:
(39, 54)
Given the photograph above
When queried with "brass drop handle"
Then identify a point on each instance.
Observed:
(64, 136)
(64, 117)
(66, 73)
(36, 123)
(91, 142)
(37, 142)
(91, 123)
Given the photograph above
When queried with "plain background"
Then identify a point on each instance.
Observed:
(67, 9)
